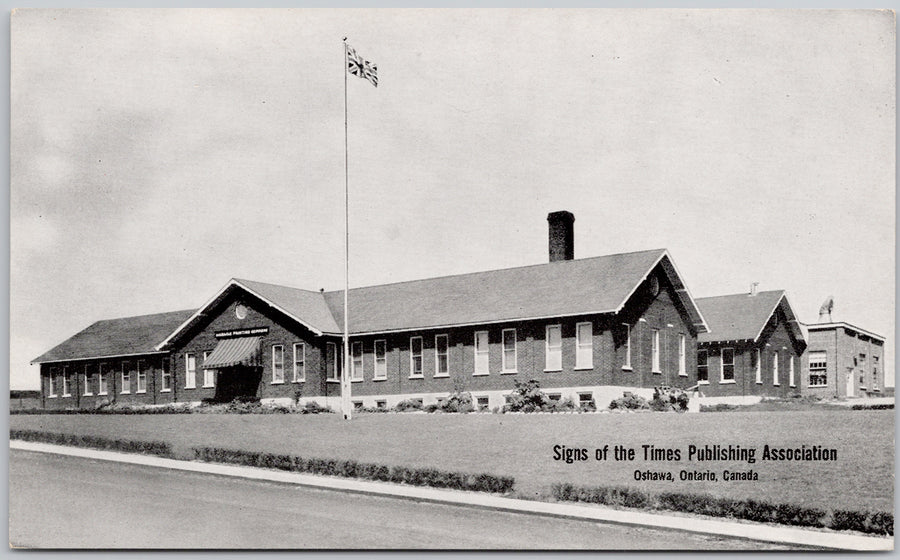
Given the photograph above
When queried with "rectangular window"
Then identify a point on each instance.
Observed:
(553, 361)
(88, 378)
(415, 356)
(509, 350)
(655, 351)
(65, 382)
(818, 369)
(277, 363)
(356, 364)
(682, 348)
(584, 346)
(141, 377)
(190, 371)
(101, 380)
(441, 355)
(791, 371)
(875, 373)
(757, 365)
(380, 359)
(126, 379)
(166, 378)
(627, 364)
(52, 382)
(299, 362)
(727, 364)
(331, 371)
(482, 353)
(775, 369)
(702, 366)
(483, 403)
(380, 404)
(209, 375)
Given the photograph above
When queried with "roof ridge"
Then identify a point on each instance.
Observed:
(142, 316)
(742, 294)
(277, 285)
(521, 267)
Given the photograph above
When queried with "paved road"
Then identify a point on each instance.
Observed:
(67, 502)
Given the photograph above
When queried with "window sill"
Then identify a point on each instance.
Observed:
(417, 377)
(140, 392)
(360, 380)
(165, 390)
(480, 374)
(759, 382)
(103, 394)
(817, 386)
(379, 378)
(125, 393)
(51, 396)
(627, 368)
(792, 385)
(554, 370)
(682, 375)
(299, 380)
(509, 372)
(208, 386)
(88, 395)
(67, 394)
(701, 382)
(441, 375)
(727, 382)
(776, 384)
(186, 387)
(332, 381)
(583, 368)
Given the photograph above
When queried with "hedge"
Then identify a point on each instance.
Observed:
(415, 476)
(160, 448)
(881, 523)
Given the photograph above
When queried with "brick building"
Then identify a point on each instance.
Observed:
(753, 348)
(586, 329)
(843, 361)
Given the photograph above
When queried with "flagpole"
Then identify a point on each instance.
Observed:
(345, 378)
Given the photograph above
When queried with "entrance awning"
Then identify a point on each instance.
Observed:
(233, 352)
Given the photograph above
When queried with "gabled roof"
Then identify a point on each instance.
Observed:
(556, 289)
(304, 306)
(117, 337)
(744, 316)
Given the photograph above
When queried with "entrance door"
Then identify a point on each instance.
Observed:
(850, 383)
(237, 381)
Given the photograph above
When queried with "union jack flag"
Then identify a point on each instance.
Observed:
(358, 66)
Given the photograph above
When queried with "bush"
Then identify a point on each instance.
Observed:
(526, 397)
(159, 448)
(352, 469)
(666, 399)
(844, 520)
(629, 401)
(408, 404)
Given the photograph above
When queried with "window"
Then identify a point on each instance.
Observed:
(875, 373)
(481, 353)
(791, 371)
(299, 361)
(126, 379)
(357, 405)
(627, 364)
(586, 400)
(356, 364)
(727, 364)
(51, 390)
(380, 404)
(682, 364)
(757, 365)
(775, 369)
(655, 350)
(818, 368)
(101, 380)
(277, 363)
(555, 397)
(190, 371)
(166, 385)
(65, 382)
(209, 375)
(553, 361)
(88, 377)
(584, 346)
(509, 350)
(331, 372)
(702, 366)
(380, 359)
(482, 402)
(415, 356)
(141, 377)
(441, 355)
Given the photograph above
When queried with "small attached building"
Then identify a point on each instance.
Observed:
(843, 360)
(753, 348)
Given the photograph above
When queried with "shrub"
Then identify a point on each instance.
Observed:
(845, 520)
(526, 397)
(881, 523)
(562, 405)
(312, 407)
(408, 404)
(629, 401)
(160, 448)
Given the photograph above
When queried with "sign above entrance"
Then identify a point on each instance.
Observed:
(254, 331)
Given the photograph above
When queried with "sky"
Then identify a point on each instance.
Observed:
(155, 154)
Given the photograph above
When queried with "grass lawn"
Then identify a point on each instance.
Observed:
(522, 446)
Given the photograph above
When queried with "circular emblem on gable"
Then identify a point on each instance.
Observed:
(654, 285)
(240, 311)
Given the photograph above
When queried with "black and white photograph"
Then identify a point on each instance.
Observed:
(452, 279)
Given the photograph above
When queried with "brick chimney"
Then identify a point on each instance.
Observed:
(562, 236)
